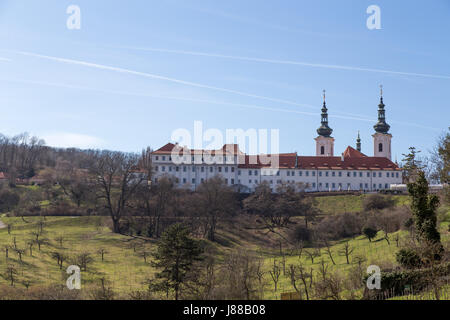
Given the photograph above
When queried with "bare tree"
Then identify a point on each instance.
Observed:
(275, 274)
(346, 251)
(116, 182)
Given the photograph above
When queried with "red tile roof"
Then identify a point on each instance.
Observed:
(352, 159)
(353, 153)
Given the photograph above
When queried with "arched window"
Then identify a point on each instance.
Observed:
(322, 150)
(380, 147)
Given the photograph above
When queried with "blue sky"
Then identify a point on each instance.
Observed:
(138, 70)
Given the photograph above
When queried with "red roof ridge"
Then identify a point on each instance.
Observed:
(353, 153)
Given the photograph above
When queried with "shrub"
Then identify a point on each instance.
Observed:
(378, 202)
(408, 258)
(302, 234)
(369, 232)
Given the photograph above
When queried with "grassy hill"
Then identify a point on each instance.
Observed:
(124, 267)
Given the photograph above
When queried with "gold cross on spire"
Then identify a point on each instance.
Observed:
(381, 90)
(324, 95)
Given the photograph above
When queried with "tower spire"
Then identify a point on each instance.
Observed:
(324, 130)
(358, 143)
(381, 126)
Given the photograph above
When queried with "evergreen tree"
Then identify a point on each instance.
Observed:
(411, 165)
(175, 256)
(424, 208)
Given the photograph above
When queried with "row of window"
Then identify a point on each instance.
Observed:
(185, 169)
(288, 173)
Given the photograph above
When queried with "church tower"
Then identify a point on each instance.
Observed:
(358, 143)
(382, 138)
(324, 142)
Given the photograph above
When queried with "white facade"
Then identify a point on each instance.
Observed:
(382, 145)
(324, 146)
(246, 179)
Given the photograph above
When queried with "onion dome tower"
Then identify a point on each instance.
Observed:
(324, 142)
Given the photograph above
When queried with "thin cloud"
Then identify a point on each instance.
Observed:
(5, 59)
(289, 62)
(73, 140)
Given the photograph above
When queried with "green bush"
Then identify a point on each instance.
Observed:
(408, 258)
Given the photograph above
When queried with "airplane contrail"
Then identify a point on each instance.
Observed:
(239, 105)
(159, 77)
(289, 62)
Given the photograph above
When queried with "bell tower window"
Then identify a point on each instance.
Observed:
(322, 150)
(380, 147)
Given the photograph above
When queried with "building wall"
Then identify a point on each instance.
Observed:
(192, 175)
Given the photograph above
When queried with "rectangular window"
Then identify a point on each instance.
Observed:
(184, 169)
(320, 173)
(379, 174)
(333, 185)
(156, 158)
(333, 174)
(163, 168)
(354, 174)
(249, 181)
(396, 174)
(232, 169)
(326, 173)
(220, 169)
(366, 186)
(239, 172)
(348, 174)
(313, 173)
(193, 181)
(360, 185)
(326, 185)
(184, 180)
(360, 174)
(288, 173)
(300, 173)
(226, 169)
(232, 181)
(340, 174)
(256, 173)
(320, 184)
(193, 169)
(203, 169)
(156, 168)
(314, 185)
(368, 174)
(307, 173)
(249, 172)
(226, 181)
(387, 174)
(164, 158)
(211, 169)
(202, 180)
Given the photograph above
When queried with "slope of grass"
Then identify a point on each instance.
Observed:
(350, 203)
